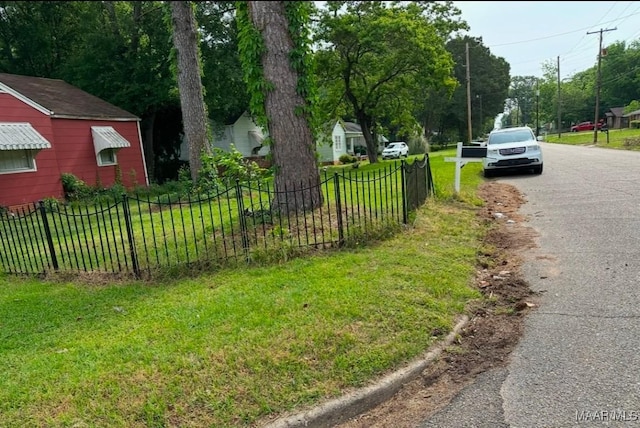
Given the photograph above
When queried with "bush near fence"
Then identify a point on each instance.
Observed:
(147, 236)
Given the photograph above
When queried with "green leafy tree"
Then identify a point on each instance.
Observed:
(632, 106)
(38, 38)
(522, 100)
(275, 52)
(548, 99)
(125, 59)
(575, 101)
(226, 93)
(116, 50)
(578, 97)
(489, 85)
(373, 56)
(620, 74)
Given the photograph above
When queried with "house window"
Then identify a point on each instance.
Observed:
(337, 142)
(107, 157)
(16, 161)
(106, 141)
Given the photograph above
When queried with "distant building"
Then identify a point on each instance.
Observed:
(616, 119)
(248, 139)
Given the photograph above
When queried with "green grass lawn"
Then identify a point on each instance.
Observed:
(230, 348)
(628, 139)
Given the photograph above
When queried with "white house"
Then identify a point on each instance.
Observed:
(346, 138)
(243, 134)
(247, 137)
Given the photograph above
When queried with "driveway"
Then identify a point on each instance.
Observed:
(578, 363)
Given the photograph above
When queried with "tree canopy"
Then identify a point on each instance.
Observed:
(372, 56)
(489, 85)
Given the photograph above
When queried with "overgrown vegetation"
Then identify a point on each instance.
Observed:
(220, 169)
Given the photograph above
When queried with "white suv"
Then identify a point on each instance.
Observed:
(511, 148)
(395, 150)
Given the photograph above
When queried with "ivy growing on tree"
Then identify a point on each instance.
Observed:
(276, 57)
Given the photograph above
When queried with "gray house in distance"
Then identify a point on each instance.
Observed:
(616, 119)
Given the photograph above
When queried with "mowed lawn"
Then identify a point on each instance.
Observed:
(231, 348)
(627, 138)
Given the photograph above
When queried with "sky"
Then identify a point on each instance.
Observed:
(528, 34)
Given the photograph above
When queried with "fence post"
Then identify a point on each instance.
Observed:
(403, 175)
(431, 187)
(243, 221)
(47, 232)
(132, 248)
(336, 186)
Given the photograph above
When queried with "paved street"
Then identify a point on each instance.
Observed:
(578, 363)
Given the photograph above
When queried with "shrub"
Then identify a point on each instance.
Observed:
(233, 166)
(634, 124)
(345, 159)
(50, 204)
(208, 180)
(74, 188)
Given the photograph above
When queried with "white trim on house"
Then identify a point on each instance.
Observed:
(144, 158)
(28, 101)
(29, 157)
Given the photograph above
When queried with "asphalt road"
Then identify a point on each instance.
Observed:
(578, 363)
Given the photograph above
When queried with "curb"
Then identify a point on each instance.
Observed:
(339, 410)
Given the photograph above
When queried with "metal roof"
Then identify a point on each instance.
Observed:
(21, 136)
(105, 137)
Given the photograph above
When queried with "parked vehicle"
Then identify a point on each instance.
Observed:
(586, 126)
(395, 150)
(510, 148)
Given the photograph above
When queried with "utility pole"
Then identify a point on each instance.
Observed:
(598, 81)
(559, 122)
(479, 97)
(468, 95)
(537, 107)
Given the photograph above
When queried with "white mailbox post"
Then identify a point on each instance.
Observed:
(465, 154)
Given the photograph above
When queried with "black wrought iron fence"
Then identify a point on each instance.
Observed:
(139, 235)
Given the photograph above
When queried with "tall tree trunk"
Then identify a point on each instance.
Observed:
(194, 116)
(369, 137)
(292, 143)
(365, 122)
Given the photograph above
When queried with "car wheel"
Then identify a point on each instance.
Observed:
(488, 173)
(537, 169)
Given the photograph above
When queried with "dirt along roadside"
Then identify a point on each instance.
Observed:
(494, 328)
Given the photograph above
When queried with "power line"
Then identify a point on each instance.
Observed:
(627, 17)
(559, 34)
(621, 76)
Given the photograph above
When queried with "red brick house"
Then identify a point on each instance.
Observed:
(49, 127)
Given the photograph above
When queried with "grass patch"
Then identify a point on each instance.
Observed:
(617, 139)
(229, 348)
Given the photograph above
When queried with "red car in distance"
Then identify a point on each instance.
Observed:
(586, 126)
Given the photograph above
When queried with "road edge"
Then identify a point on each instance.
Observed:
(339, 410)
